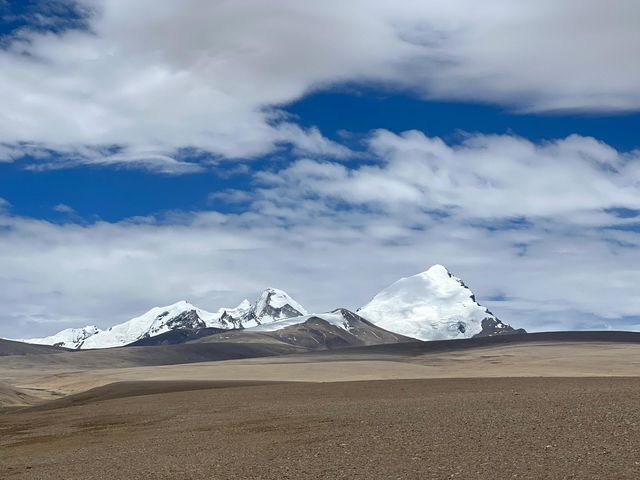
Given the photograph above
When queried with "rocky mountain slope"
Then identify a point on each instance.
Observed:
(340, 328)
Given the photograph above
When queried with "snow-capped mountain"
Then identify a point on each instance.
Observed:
(69, 338)
(228, 317)
(271, 305)
(432, 305)
(154, 322)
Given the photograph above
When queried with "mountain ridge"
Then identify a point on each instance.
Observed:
(271, 305)
(431, 305)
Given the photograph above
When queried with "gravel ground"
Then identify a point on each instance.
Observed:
(491, 428)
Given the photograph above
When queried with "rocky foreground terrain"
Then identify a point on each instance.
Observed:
(484, 428)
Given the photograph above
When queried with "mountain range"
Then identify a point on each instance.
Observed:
(432, 305)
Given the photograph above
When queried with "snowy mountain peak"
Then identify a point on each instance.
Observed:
(432, 305)
(273, 305)
(174, 308)
(244, 304)
(230, 317)
(158, 320)
(436, 270)
(180, 304)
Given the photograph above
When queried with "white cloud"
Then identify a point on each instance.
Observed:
(485, 177)
(230, 196)
(333, 236)
(63, 208)
(9, 153)
(154, 77)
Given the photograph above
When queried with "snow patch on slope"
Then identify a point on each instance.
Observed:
(332, 318)
(69, 338)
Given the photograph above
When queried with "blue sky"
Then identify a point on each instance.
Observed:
(206, 150)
